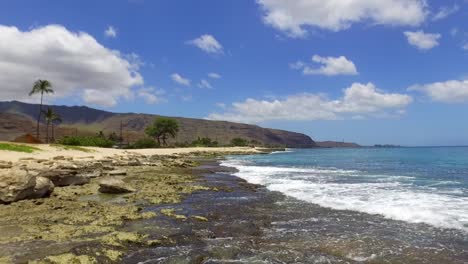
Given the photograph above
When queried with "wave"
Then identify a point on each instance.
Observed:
(394, 197)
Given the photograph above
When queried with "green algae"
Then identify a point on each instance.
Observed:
(200, 218)
(67, 258)
(171, 213)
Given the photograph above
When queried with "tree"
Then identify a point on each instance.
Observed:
(161, 128)
(56, 120)
(41, 86)
(239, 142)
(50, 116)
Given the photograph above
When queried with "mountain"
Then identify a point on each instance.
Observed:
(17, 118)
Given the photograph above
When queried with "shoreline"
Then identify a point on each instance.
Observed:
(190, 209)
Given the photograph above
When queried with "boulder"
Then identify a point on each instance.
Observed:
(114, 185)
(16, 184)
(43, 187)
(64, 177)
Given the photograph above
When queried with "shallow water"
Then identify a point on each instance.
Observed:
(250, 224)
(416, 185)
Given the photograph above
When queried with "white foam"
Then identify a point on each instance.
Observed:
(391, 199)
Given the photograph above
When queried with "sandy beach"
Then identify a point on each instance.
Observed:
(50, 151)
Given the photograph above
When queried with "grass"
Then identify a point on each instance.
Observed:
(17, 147)
(67, 147)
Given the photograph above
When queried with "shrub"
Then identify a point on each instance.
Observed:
(87, 141)
(145, 143)
(239, 142)
(204, 142)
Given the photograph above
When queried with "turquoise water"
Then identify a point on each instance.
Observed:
(416, 185)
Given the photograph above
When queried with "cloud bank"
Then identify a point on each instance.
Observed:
(452, 91)
(74, 62)
(358, 101)
(294, 17)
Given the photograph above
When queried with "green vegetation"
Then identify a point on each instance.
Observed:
(162, 128)
(239, 142)
(87, 141)
(17, 147)
(144, 143)
(69, 147)
(204, 142)
(41, 86)
(50, 117)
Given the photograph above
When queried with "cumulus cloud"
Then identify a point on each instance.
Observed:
(358, 100)
(205, 84)
(293, 17)
(110, 32)
(151, 95)
(465, 46)
(74, 62)
(421, 40)
(207, 43)
(214, 75)
(445, 11)
(452, 91)
(330, 66)
(180, 80)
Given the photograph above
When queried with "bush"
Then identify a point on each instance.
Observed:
(204, 142)
(87, 141)
(145, 143)
(239, 142)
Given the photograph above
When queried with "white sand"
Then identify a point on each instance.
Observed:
(49, 151)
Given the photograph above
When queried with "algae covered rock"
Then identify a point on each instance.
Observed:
(114, 185)
(16, 184)
(64, 177)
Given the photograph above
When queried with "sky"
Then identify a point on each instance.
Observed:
(371, 72)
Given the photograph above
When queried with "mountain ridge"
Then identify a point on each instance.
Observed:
(18, 118)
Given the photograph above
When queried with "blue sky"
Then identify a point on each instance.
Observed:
(384, 72)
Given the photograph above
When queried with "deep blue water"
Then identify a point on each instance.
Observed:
(416, 185)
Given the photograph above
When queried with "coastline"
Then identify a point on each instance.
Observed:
(76, 217)
(189, 209)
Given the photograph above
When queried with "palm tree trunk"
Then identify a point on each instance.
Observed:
(53, 133)
(39, 117)
(47, 131)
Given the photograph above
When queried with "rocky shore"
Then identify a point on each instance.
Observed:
(50, 207)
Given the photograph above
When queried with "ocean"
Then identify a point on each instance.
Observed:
(420, 185)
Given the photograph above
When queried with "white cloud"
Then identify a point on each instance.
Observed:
(330, 66)
(358, 100)
(74, 62)
(205, 84)
(454, 31)
(151, 95)
(207, 43)
(421, 40)
(453, 91)
(465, 46)
(214, 75)
(180, 80)
(293, 17)
(110, 32)
(445, 11)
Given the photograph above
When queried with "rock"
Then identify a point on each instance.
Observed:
(114, 185)
(64, 177)
(91, 173)
(16, 184)
(43, 187)
(5, 164)
(117, 173)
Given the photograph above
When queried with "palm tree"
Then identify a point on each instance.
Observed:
(57, 119)
(50, 117)
(41, 86)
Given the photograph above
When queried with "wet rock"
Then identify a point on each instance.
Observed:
(63, 177)
(15, 185)
(114, 185)
(43, 187)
